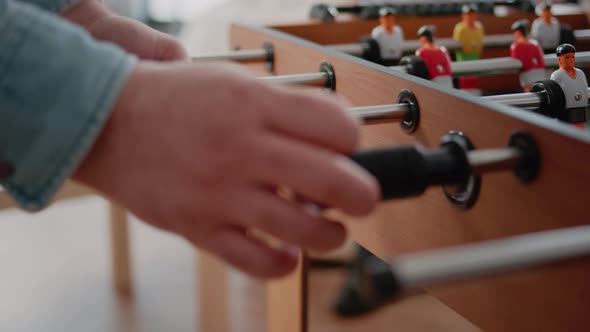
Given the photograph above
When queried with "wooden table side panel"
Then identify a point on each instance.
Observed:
(287, 301)
(506, 206)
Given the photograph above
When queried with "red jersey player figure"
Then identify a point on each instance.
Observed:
(530, 55)
(436, 58)
(573, 83)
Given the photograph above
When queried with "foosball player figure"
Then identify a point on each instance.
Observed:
(574, 85)
(529, 53)
(369, 285)
(436, 58)
(546, 28)
(388, 36)
(470, 33)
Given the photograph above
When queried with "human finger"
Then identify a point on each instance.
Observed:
(319, 175)
(169, 49)
(252, 255)
(291, 222)
(318, 119)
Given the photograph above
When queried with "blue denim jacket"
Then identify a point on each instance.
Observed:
(57, 88)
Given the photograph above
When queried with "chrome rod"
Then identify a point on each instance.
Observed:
(393, 111)
(312, 79)
(502, 40)
(486, 66)
(491, 257)
(582, 35)
(526, 99)
(490, 160)
(352, 48)
(501, 65)
(239, 55)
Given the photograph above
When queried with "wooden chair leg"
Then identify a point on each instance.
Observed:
(286, 301)
(213, 294)
(121, 260)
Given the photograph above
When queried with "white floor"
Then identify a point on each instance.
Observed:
(55, 269)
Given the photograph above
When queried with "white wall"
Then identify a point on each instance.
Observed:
(130, 8)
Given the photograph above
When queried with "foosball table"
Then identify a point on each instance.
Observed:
(484, 203)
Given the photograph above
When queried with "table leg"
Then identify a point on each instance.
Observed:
(121, 260)
(287, 301)
(213, 294)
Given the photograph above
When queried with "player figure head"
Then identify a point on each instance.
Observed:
(543, 10)
(469, 14)
(566, 56)
(387, 18)
(520, 29)
(426, 34)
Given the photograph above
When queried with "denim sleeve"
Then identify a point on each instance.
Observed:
(56, 6)
(57, 89)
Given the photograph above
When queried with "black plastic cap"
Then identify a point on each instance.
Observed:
(552, 98)
(468, 8)
(387, 11)
(427, 31)
(520, 25)
(564, 49)
(371, 49)
(544, 6)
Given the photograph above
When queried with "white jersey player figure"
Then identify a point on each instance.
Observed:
(574, 85)
(388, 36)
(546, 28)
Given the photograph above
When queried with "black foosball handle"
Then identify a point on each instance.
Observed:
(407, 171)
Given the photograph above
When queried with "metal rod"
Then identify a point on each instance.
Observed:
(238, 55)
(491, 257)
(392, 112)
(352, 48)
(526, 99)
(310, 79)
(357, 49)
(489, 160)
(487, 66)
(501, 65)
(502, 40)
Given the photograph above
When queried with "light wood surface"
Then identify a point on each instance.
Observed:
(120, 253)
(548, 299)
(213, 293)
(287, 301)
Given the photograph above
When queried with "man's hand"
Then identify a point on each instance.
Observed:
(200, 149)
(133, 36)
